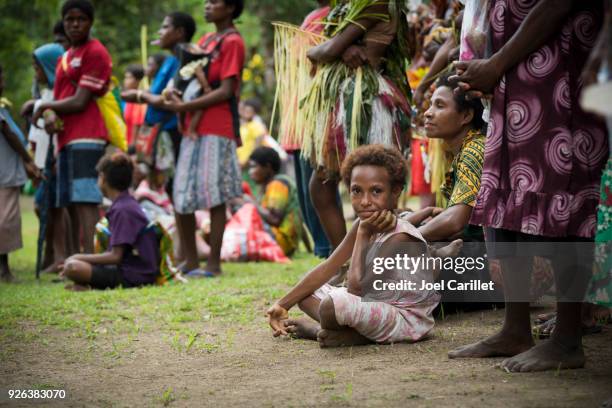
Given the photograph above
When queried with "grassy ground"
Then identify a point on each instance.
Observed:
(206, 343)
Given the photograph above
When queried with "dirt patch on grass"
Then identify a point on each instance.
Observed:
(214, 364)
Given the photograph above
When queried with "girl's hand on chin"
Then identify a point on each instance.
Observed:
(378, 222)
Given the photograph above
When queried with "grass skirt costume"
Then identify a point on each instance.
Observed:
(341, 108)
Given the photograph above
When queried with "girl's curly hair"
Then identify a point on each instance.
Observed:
(376, 155)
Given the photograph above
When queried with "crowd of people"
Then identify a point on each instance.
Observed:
(483, 109)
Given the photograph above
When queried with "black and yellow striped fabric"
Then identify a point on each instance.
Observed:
(462, 181)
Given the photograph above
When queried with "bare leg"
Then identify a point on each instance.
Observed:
(58, 238)
(5, 271)
(217, 228)
(185, 224)
(323, 196)
(515, 335)
(75, 229)
(88, 217)
(564, 348)
(332, 334)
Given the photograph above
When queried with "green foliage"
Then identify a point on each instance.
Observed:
(28, 24)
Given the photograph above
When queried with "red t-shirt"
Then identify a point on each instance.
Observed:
(133, 114)
(88, 66)
(217, 120)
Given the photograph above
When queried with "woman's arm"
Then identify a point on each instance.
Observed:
(73, 104)
(113, 257)
(545, 19)
(272, 216)
(333, 48)
(221, 94)
(439, 62)
(13, 141)
(448, 225)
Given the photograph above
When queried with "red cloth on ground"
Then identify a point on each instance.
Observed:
(88, 66)
(245, 238)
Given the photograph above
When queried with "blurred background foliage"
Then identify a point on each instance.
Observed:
(27, 24)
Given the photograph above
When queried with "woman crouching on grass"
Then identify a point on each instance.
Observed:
(375, 176)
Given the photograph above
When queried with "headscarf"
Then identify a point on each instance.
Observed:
(47, 56)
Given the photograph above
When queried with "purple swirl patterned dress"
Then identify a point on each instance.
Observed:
(544, 156)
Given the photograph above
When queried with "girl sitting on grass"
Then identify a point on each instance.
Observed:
(375, 176)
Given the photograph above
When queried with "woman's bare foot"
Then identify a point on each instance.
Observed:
(498, 345)
(8, 278)
(450, 250)
(303, 328)
(548, 355)
(338, 338)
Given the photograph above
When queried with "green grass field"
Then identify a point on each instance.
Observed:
(240, 296)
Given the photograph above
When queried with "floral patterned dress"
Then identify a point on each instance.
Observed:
(544, 155)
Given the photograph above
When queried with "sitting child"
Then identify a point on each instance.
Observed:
(278, 203)
(375, 176)
(133, 258)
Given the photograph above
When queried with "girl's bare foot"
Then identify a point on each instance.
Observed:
(303, 328)
(498, 345)
(548, 355)
(338, 338)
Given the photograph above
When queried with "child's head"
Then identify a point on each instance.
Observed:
(264, 163)
(375, 176)
(115, 173)
(249, 109)
(132, 76)
(154, 63)
(177, 27)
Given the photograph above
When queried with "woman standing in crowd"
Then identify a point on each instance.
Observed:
(543, 162)
(364, 41)
(82, 74)
(177, 28)
(208, 174)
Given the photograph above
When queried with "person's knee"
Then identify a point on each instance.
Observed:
(71, 270)
(327, 312)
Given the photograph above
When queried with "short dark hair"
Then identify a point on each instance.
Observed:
(238, 7)
(254, 103)
(136, 70)
(184, 21)
(376, 155)
(58, 28)
(117, 169)
(84, 5)
(464, 104)
(264, 155)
